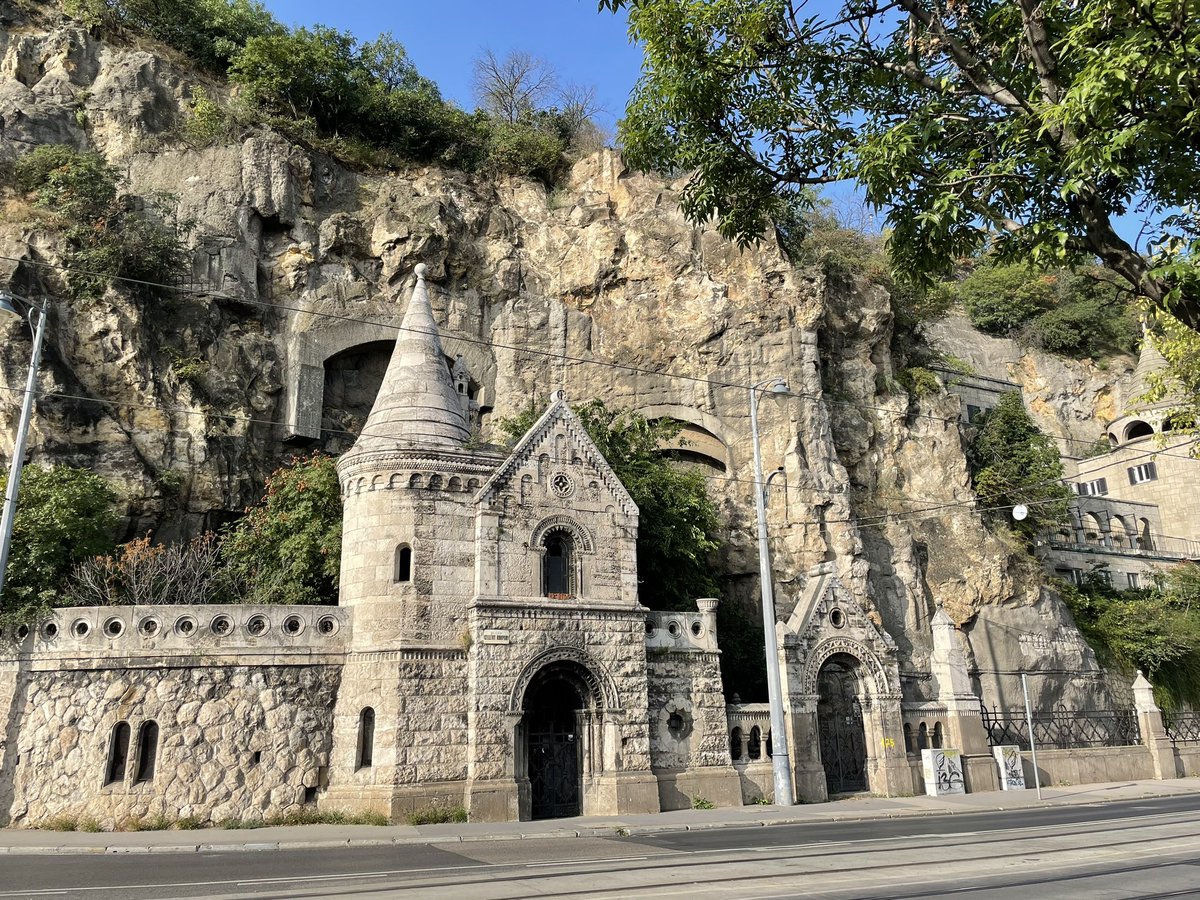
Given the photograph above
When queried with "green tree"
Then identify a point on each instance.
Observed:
(678, 526)
(108, 234)
(1156, 629)
(287, 548)
(1012, 463)
(64, 516)
(1025, 126)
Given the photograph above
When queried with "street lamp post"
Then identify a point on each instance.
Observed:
(35, 316)
(779, 745)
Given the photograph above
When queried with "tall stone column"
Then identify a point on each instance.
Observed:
(1154, 733)
(964, 724)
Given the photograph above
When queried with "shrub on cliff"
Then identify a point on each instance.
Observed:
(107, 234)
(64, 516)
(287, 548)
(1012, 463)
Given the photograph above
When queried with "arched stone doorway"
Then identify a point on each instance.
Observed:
(840, 730)
(560, 713)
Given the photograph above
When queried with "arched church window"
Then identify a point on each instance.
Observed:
(557, 560)
(147, 751)
(366, 738)
(118, 753)
(403, 563)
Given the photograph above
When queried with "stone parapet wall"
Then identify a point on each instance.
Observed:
(233, 742)
(101, 637)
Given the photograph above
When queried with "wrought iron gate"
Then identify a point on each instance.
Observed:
(553, 768)
(843, 741)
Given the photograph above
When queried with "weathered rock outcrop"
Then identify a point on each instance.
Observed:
(602, 287)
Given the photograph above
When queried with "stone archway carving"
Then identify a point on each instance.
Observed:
(601, 688)
(583, 538)
(860, 651)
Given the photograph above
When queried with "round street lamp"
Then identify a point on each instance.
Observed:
(35, 316)
(780, 766)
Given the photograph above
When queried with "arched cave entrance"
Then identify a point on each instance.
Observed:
(559, 715)
(841, 735)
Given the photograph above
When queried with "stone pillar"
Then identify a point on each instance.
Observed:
(964, 725)
(888, 760)
(708, 615)
(1154, 733)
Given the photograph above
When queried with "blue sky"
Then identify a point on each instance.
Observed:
(443, 37)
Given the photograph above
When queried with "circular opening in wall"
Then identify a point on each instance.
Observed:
(697, 629)
(149, 627)
(649, 626)
(50, 631)
(256, 625)
(114, 628)
(80, 628)
(675, 724)
(185, 626)
(22, 632)
(673, 629)
(327, 625)
(221, 625)
(293, 625)
(837, 618)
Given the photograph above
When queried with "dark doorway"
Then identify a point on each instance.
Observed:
(842, 738)
(553, 705)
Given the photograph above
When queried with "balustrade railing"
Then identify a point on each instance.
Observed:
(1062, 728)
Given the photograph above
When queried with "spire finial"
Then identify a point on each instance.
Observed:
(420, 270)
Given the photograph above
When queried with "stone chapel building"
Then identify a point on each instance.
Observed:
(488, 651)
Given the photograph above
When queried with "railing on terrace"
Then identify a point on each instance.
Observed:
(1182, 727)
(1159, 545)
(1063, 729)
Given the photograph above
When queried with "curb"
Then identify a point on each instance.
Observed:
(617, 829)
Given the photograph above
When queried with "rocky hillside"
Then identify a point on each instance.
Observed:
(301, 266)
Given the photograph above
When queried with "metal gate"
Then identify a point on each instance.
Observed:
(554, 783)
(843, 741)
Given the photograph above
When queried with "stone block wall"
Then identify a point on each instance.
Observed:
(234, 741)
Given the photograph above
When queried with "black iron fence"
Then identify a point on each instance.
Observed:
(1182, 727)
(1063, 729)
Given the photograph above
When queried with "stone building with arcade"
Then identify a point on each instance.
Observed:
(488, 651)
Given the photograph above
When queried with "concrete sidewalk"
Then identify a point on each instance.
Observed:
(858, 808)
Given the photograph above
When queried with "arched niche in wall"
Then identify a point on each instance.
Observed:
(701, 437)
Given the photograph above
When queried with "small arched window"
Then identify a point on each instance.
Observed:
(118, 753)
(937, 735)
(754, 748)
(147, 751)
(403, 564)
(923, 737)
(909, 747)
(366, 738)
(735, 744)
(557, 560)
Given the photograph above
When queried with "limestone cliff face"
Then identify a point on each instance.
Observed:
(600, 287)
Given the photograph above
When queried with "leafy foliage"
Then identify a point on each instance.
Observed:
(678, 526)
(64, 516)
(1180, 382)
(1022, 126)
(209, 31)
(287, 549)
(1074, 314)
(108, 234)
(142, 573)
(1012, 462)
(1156, 629)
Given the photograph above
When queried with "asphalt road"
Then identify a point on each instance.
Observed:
(1137, 849)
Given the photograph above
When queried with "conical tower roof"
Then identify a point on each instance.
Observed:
(417, 405)
(1150, 362)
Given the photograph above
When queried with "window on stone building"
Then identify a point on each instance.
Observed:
(1096, 488)
(147, 751)
(403, 563)
(366, 738)
(922, 737)
(118, 752)
(735, 744)
(1135, 580)
(556, 564)
(937, 736)
(1143, 473)
(754, 747)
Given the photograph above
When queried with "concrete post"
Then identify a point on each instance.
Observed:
(1154, 733)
